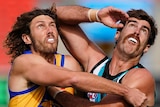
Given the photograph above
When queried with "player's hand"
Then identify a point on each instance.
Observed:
(136, 98)
(109, 16)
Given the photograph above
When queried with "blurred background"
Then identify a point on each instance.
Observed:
(10, 9)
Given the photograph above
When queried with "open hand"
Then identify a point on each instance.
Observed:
(109, 16)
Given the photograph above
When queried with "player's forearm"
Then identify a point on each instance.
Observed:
(72, 101)
(132, 95)
(73, 14)
(93, 83)
(68, 100)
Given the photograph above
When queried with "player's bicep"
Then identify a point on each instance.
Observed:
(141, 79)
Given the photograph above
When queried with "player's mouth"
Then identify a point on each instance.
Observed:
(133, 40)
(50, 40)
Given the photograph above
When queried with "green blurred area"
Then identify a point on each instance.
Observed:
(4, 96)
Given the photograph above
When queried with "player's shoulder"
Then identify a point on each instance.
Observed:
(141, 72)
(27, 57)
(139, 77)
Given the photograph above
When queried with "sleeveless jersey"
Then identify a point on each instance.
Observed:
(36, 96)
(102, 69)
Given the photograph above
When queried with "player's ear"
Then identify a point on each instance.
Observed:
(117, 35)
(26, 38)
(146, 48)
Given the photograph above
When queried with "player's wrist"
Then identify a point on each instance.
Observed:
(125, 92)
(57, 92)
(93, 15)
(54, 91)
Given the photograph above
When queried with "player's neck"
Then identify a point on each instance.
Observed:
(119, 65)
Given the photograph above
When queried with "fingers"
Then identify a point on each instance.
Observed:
(136, 97)
(142, 103)
(115, 25)
(110, 16)
(53, 7)
(121, 14)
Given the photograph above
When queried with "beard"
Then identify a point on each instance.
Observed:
(44, 48)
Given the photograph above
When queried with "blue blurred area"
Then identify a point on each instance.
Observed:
(100, 33)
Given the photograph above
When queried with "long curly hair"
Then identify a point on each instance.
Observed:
(13, 41)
